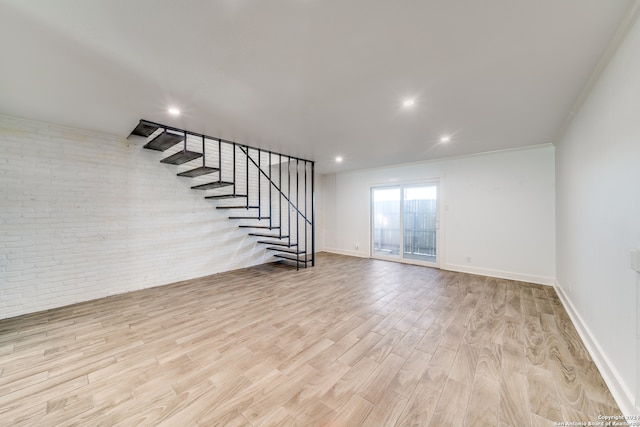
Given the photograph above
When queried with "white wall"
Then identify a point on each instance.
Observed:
(499, 211)
(85, 215)
(598, 218)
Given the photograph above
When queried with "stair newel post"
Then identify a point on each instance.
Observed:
(259, 185)
(313, 216)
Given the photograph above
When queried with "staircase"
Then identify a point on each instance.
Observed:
(269, 194)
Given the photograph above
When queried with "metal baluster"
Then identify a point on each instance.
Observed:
(220, 160)
(270, 201)
(289, 199)
(313, 216)
(306, 245)
(247, 174)
(280, 192)
(203, 162)
(298, 214)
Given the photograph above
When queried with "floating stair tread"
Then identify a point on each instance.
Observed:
(145, 129)
(212, 185)
(202, 170)
(249, 217)
(293, 257)
(164, 141)
(237, 207)
(181, 157)
(272, 236)
(225, 196)
(263, 227)
(276, 242)
(291, 250)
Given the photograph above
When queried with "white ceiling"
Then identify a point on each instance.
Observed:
(309, 78)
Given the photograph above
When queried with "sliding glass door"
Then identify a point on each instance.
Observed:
(420, 222)
(386, 221)
(405, 223)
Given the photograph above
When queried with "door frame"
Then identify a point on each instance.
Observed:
(439, 221)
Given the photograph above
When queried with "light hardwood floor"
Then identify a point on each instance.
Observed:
(350, 342)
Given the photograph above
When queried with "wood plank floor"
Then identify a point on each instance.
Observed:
(351, 342)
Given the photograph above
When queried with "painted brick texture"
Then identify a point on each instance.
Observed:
(85, 215)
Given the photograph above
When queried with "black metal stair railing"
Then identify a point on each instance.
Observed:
(301, 240)
(290, 211)
(300, 214)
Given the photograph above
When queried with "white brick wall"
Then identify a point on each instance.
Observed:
(85, 215)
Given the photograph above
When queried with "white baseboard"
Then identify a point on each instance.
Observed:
(343, 252)
(540, 280)
(465, 269)
(623, 397)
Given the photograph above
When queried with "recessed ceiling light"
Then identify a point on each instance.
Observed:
(445, 139)
(408, 103)
(338, 159)
(174, 111)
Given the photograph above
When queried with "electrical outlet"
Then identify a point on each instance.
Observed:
(357, 245)
(468, 259)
